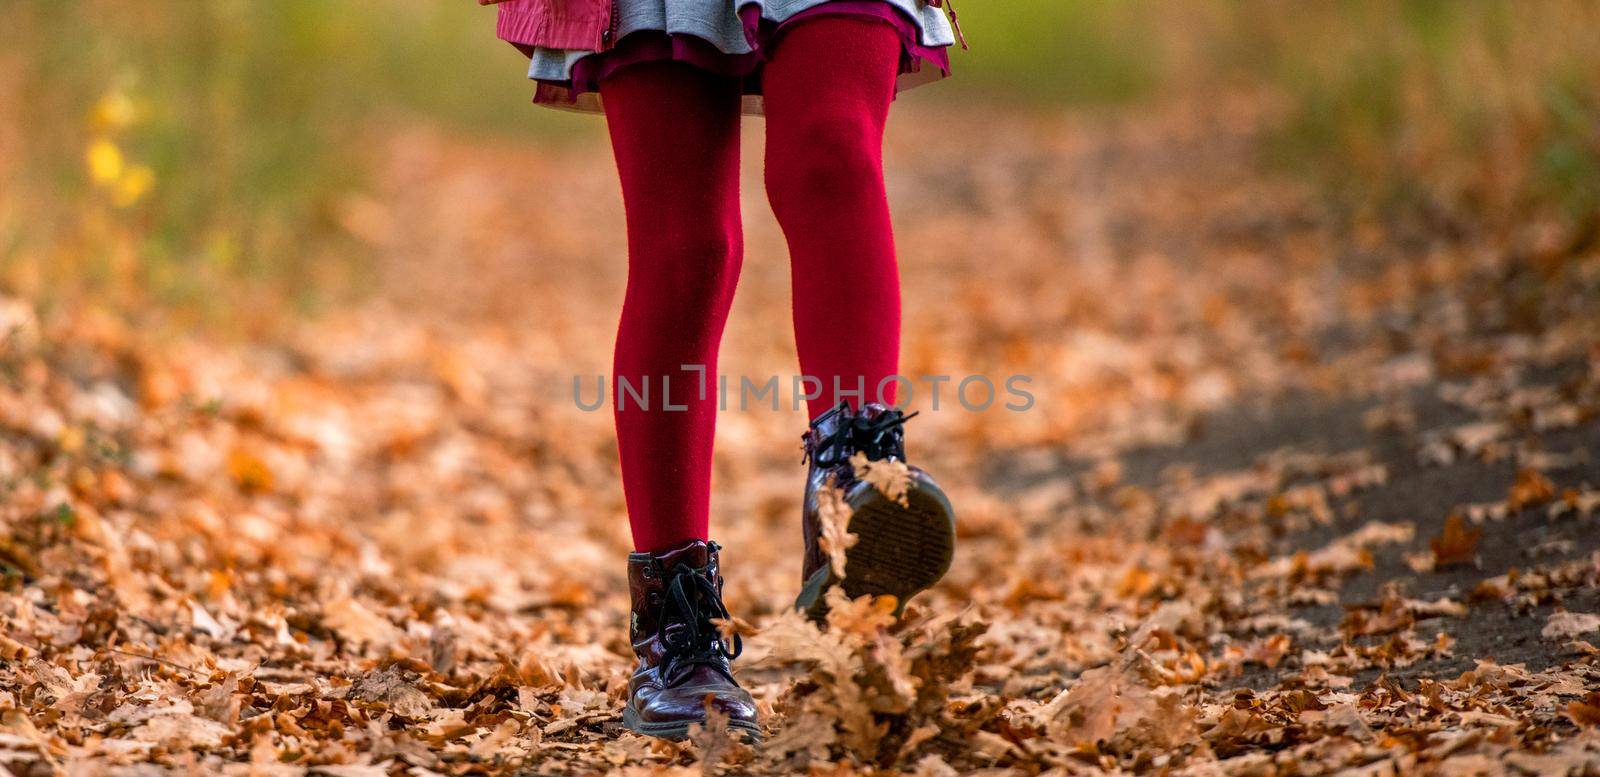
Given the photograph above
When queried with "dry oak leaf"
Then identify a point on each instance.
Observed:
(12, 650)
(1575, 756)
(1566, 625)
(832, 661)
(1268, 651)
(390, 687)
(714, 740)
(1582, 647)
(66, 693)
(810, 734)
(733, 626)
(1458, 544)
(862, 617)
(1103, 701)
(934, 766)
(833, 513)
(182, 730)
(356, 623)
(1585, 711)
(500, 741)
(221, 702)
(891, 477)
(249, 471)
(202, 621)
(1576, 503)
(16, 723)
(352, 770)
(1341, 556)
(1531, 488)
(1443, 607)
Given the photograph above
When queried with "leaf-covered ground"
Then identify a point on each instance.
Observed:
(1298, 497)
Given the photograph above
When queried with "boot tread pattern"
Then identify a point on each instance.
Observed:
(900, 549)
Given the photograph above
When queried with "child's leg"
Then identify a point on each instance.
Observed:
(675, 134)
(828, 86)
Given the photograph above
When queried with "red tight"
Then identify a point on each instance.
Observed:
(675, 133)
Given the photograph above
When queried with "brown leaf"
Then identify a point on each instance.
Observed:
(497, 742)
(220, 702)
(864, 616)
(249, 471)
(1457, 544)
(1269, 651)
(182, 731)
(734, 626)
(834, 516)
(1585, 711)
(1566, 625)
(891, 477)
(442, 649)
(1531, 488)
(714, 739)
(12, 650)
(353, 621)
(1101, 702)
(66, 693)
(390, 687)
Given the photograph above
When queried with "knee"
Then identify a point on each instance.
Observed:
(709, 258)
(821, 156)
(693, 270)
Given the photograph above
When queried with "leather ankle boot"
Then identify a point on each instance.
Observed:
(901, 549)
(683, 659)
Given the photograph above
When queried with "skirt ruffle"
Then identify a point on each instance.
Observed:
(919, 63)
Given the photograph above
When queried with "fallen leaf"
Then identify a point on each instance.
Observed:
(1531, 488)
(249, 471)
(389, 686)
(353, 621)
(181, 731)
(1458, 544)
(1585, 711)
(891, 477)
(1566, 625)
(834, 516)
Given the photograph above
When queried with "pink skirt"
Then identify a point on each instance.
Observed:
(919, 63)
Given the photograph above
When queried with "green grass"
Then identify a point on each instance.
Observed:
(1485, 110)
(1057, 52)
(255, 120)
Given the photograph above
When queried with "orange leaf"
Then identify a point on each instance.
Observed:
(249, 471)
(1586, 711)
(1530, 488)
(1457, 545)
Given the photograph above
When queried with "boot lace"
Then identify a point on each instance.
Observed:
(880, 438)
(690, 639)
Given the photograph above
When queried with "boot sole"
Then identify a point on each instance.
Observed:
(679, 731)
(900, 550)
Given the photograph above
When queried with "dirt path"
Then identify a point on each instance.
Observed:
(1420, 490)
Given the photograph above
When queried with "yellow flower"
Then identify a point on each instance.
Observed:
(113, 111)
(105, 162)
(132, 186)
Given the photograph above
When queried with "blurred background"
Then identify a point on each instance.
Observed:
(161, 148)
